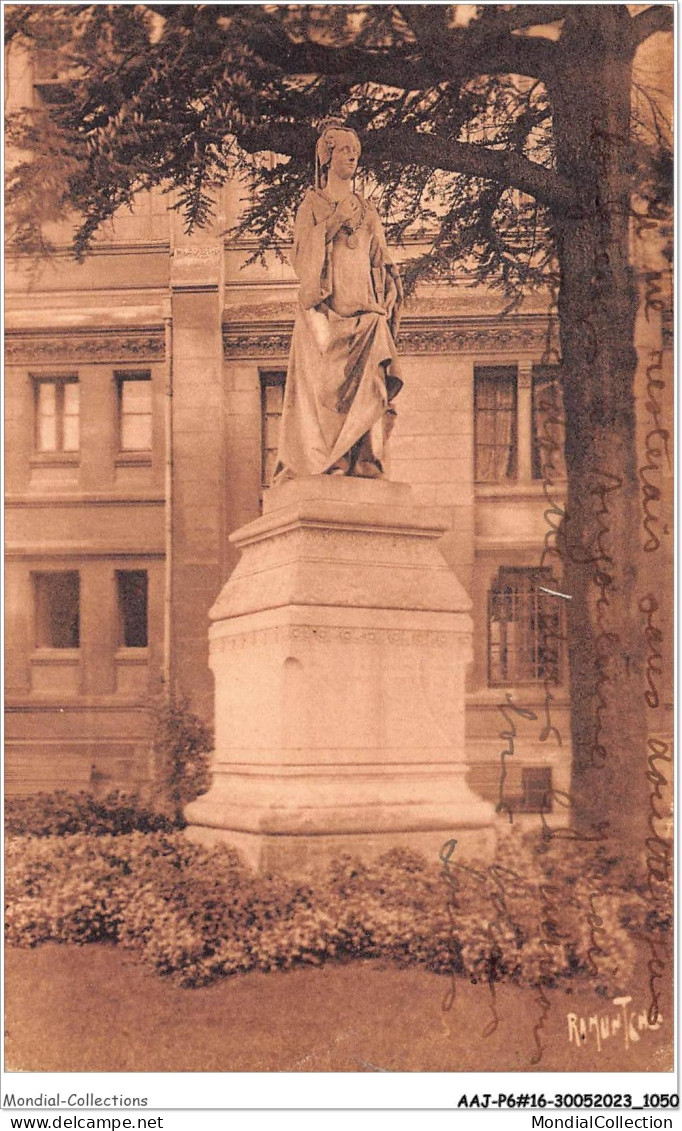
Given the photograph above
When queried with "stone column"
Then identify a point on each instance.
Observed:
(339, 647)
(198, 487)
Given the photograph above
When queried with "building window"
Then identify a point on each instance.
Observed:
(131, 586)
(272, 399)
(524, 628)
(548, 425)
(57, 414)
(536, 790)
(519, 423)
(135, 411)
(495, 423)
(57, 604)
(50, 80)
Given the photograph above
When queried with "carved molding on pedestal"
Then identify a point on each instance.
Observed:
(331, 634)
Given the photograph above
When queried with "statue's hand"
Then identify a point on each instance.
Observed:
(390, 295)
(394, 297)
(347, 209)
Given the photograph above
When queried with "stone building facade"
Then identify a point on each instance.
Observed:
(143, 391)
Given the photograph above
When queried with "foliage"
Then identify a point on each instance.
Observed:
(65, 814)
(197, 914)
(517, 151)
(181, 747)
(455, 116)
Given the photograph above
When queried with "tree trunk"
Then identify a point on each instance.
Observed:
(601, 531)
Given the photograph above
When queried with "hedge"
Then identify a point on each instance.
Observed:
(64, 814)
(196, 914)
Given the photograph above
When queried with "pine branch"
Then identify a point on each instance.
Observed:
(455, 54)
(388, 67)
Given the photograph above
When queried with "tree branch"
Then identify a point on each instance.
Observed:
(410, 147)
(527, 15)
(427, 24)
(659, 17)
(455, 55)
(486, 45)
(502, 55)
(508, 168)
(386, 67)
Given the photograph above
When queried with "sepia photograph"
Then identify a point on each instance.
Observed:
(304, 776)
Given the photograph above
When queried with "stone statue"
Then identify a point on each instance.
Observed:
(343, 368)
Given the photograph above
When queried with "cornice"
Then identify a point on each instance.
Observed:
(43, 501)
(20, 704)
(65, 251)
(449, 334)
(268, 332)
(84, 551)
(264, 331)
(85, 345)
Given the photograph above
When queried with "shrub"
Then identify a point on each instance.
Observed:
(196, 914)
(181, 748)
(64, 814)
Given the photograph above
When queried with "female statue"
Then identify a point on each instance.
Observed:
(342, 375)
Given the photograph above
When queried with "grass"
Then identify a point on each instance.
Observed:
(94, 1009)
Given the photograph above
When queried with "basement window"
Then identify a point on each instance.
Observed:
(57, 608)
(131, 585)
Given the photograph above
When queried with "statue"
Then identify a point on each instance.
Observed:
(342, 375)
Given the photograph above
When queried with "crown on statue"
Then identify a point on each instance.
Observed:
(325, 145)
(331, 123)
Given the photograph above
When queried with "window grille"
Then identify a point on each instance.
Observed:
(524, 628)
(536, 790)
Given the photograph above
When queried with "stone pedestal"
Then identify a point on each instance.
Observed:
(339, 647)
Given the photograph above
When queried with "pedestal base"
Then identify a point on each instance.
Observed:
(307, 855)
(339, 647)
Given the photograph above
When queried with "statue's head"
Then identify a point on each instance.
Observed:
(338, 147)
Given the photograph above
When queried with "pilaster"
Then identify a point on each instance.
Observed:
(197, 473)
(524, 417)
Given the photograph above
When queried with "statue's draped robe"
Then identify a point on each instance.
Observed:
(342, 372)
